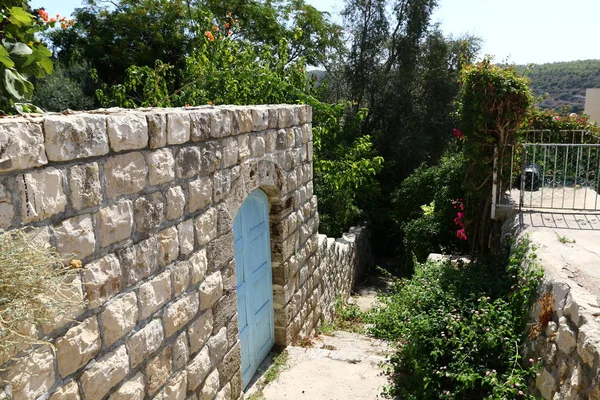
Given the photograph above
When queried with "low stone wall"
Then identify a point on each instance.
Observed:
(569, 345)
(146, 199)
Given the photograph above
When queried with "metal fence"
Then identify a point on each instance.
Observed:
(549, 170)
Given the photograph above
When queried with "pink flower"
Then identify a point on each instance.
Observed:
(457, 134)
(460, 215)
(461, 234)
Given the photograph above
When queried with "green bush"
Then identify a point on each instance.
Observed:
(424, 208)
(68, 87)
(459, 328)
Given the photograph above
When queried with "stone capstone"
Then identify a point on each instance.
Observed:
(119, 318)
(127, 131)
(78, 346)
(22, 144)
(42, 194)
(75, 136)
(178, 128)
(84, 181)
(157, 129)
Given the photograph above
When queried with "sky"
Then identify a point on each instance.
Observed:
(516, 31)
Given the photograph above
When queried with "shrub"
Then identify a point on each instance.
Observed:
(424, 209)
(33, 290)
(459, 328)
(68, 87)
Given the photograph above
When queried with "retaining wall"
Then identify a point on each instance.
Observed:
(146, 200)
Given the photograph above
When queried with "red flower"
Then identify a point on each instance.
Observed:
(461, 235)
(457, 134)
(43, 14)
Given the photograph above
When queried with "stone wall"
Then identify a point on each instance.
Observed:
(146, 199)
(569, 345)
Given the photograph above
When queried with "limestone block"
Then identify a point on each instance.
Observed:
(206, 226)
(222, 184)
(178, 128)
(211, 289)
(75, 237)
(127, 131)
(211, 386)
(181, 277)
(119, 318)
(161, 166)
(245, 120)
(225, 393)
(257, 145)
(70, 391)
(588, 344)
(243, 148)
(229, 368)
(149, 212)
(33, 374)
(188, 162)
(75, 136)
(230, 152)
(125, 174)
(198, 369)
(302, 111)
(22, 143)
(115, 222)
(220, 251)
(84, 181)
(198, 266)
(176, 388)
(217, 345)
(105, 374)
(102, 280)
(220, 123)
(175, 202)
(211, 155)
(180, 313)
(168, 246)
(260, 119)
(42, 194)
(154, 294)
(200, 330)
(546, 384)
(200, 125)
(78, 346)
(270, 140)
(7, 214)
(181, 351)
(159, 369)
(201, 191)
(133, 389)
(157, 129)
(285, 117)
(566, 339)
(186, 236)
(145, 342)
(139, 261)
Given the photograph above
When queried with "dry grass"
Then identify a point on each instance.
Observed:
(545, 304)
(34, 290)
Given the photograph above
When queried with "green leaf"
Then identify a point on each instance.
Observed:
(5, 59)
(17, 85)
(20, 17)
(20, 49)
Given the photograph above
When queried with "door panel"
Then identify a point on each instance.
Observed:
(254, 282)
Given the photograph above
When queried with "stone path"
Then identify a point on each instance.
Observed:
(339, 367)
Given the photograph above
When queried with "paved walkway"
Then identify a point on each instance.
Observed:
(343, 366)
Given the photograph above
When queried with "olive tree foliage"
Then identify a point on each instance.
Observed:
(405, 71)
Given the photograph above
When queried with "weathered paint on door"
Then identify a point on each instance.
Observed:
(254, 282)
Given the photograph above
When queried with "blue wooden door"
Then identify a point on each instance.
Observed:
(254, 282)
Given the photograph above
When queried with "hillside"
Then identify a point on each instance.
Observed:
(564, 82)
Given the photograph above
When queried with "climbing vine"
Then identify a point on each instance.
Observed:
(494, 101)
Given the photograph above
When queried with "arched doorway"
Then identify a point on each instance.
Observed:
(252, 247)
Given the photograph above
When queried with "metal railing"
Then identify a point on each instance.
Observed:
(549, 170)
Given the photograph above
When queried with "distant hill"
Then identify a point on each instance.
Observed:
(564, 82)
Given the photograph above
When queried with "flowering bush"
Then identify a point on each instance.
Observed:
(459, 328)
(22, 54)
